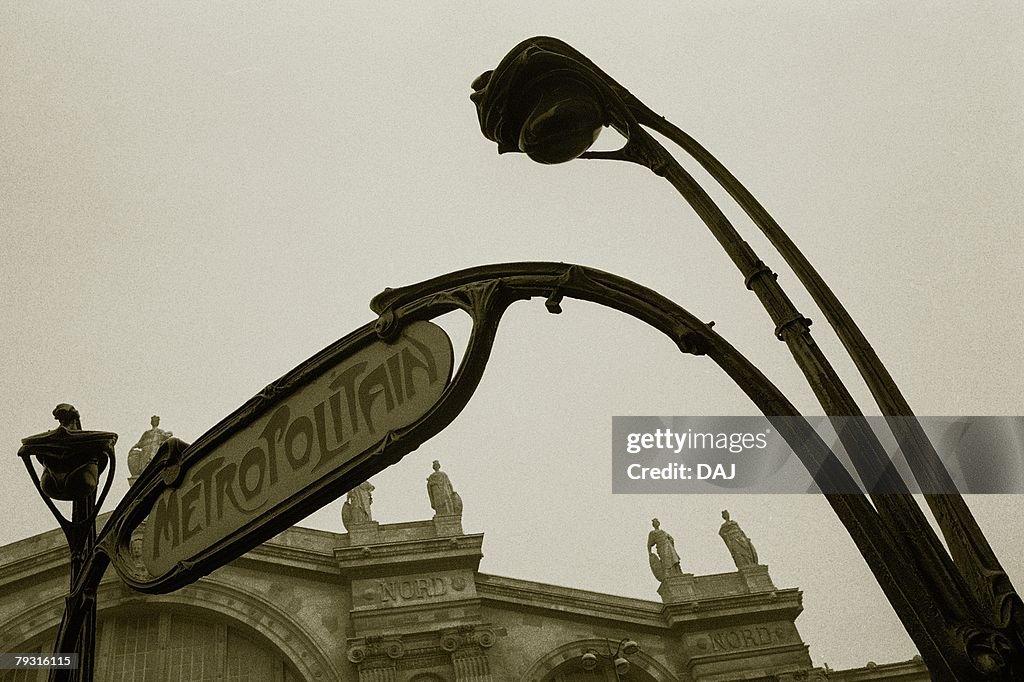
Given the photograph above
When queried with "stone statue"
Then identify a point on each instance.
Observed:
(149, 442)
(443, 498)
(666, 562)
(135, 548)
(742, 550)
(357, 506)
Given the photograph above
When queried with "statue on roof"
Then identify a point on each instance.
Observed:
(356, 509)
(742, 550)
(142, 453)
(665, 562)
(443, 498)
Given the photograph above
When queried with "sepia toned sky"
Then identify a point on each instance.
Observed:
(195, 198)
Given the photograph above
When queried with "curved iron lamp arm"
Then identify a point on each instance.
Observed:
(964, 537)
(548, 100)
(967, 543)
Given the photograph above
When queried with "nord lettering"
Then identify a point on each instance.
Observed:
(416, 589)
(745, 638)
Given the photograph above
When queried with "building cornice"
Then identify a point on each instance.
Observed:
(393, 558)
(567, 600)
(291, 557)
(704, 612)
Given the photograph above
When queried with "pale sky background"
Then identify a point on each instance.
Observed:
(196, 197)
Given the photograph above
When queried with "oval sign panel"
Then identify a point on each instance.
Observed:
(339, 412)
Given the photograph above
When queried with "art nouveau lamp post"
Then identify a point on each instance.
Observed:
(547, 100)
(72, 461)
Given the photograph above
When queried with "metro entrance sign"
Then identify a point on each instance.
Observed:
(360, 406)
(303, 434)
(326, 424)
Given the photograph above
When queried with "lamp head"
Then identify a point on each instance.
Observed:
(588, 660)
(543, 99)
(72, 459)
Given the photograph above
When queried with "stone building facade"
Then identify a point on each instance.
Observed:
(406, 602)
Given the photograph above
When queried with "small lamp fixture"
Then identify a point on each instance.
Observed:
(72, 459)
(628, 647)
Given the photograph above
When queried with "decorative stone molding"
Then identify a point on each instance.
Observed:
(364, 533)
(376, 657)
(807, 675)
(467, 636)
(678, 588)
(756, 578)
(468, 646)
(364, 561)
(379, 658)
(375, 646)
(448, 524)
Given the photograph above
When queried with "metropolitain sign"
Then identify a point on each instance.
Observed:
(324, 419)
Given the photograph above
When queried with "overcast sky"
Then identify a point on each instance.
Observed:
(195, 198)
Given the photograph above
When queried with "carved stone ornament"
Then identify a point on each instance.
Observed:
(375, 647)
(467, 636)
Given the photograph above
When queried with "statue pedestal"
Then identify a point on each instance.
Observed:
(756, 578)
(678, 588)
(448, 524)
(364, 533)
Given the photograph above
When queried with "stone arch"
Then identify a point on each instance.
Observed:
(556, 658)
(228, 601)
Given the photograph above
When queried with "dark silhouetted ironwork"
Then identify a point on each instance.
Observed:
(549, 101)
(72, 460)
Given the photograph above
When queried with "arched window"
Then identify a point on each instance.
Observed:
(146, 645)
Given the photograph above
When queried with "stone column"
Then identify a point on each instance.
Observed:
(383, 674)
(376, 657)
(468, 646)
(471, 666)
